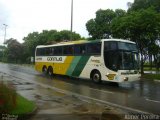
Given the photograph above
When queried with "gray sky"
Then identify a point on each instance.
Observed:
(26, 16)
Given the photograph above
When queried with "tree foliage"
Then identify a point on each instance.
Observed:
(46, 37)
(145, 4)
(141, 27)
(100, 27)
(14, 50)
(140, 24)
(152, 24)
(21, 53)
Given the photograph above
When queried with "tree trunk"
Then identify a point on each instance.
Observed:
(142, 70)
(157, 62)
(150, 60)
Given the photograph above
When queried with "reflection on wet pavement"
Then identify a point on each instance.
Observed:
(130, 95)
(53, 104)
(126, 94)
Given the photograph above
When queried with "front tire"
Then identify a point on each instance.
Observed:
(96, 77)
(44, 70)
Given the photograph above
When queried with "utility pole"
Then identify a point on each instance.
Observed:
(5, 26)
(71, 19)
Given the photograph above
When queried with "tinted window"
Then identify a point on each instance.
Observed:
(113, 60)
(121, 60)
(79, 49)
(94, 48)
(40, 51)
(110, 46)
(127, 46)
(49, 51)
(57, 51)
(68, 50)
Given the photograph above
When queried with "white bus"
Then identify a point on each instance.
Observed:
(113, 60)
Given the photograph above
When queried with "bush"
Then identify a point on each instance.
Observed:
(7, 98)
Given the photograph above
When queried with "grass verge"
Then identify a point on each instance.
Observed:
(148, 69)
(23, 106)
(151, 76)
(13, 103)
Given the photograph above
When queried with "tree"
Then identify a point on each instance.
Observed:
(46, 36)
(145, 4)
(139, 5)
(66, 35)
(92, 29)
(141, 26)
(154, 50)
(14, 50)
(120, 13)
(2, 49)
(100, 27)
(30, 43)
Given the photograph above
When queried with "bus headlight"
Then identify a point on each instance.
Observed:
(125, 78)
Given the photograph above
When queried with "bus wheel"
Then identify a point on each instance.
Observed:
(44, 70)
(50, 71)
(96, 77)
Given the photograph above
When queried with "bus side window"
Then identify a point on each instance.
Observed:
(52, 51)
(48, 51)
(57, 51)
(68, 50)
(94, 48)
(40, 52)
(79, 49)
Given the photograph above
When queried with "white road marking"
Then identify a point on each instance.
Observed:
(156, 80)
(102, 91)
(152, 100)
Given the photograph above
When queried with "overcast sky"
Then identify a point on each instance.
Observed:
(26, 16)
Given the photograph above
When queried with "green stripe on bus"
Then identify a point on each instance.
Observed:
(80, 66)
(73, 65)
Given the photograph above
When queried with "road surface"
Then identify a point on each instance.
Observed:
(140, 96)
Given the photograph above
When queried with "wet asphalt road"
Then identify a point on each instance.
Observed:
(143, 95)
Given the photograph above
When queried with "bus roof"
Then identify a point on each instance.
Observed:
(83, 41)
(120, 40)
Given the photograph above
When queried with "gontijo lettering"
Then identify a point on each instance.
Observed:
(54, 58)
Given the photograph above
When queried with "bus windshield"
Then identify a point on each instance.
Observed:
(121, 56)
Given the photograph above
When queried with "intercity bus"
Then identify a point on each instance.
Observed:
(113, 60)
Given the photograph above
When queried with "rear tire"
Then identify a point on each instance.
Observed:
(96, 77)
(50, 71)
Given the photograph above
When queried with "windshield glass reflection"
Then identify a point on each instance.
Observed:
(123, 57)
